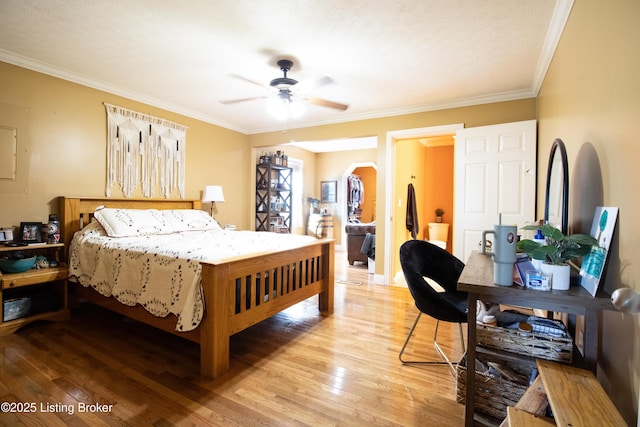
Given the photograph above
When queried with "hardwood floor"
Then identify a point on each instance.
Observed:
(297, 368)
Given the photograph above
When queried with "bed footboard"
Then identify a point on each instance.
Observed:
(243, 292)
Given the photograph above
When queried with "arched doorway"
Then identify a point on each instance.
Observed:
(368, 170)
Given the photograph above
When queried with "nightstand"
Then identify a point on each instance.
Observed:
(41, 293)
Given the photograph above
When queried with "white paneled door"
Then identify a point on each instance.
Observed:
(495, 173)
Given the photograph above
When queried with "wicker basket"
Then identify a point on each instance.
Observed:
(493, 394)
(532, 344)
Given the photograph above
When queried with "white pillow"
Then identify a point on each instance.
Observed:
(189, 220)
(131, 222)
(144, 222)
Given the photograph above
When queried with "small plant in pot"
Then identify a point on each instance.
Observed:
(439, 213)
(557, 252)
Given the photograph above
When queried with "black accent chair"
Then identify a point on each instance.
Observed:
(420, 259)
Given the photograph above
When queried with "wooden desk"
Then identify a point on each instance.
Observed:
(477, 280)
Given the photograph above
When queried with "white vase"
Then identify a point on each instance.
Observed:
(560, 275)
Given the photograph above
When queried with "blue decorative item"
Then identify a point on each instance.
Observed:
(8, 266)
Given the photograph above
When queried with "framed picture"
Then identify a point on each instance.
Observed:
(594, 263)
(29, 232)
(277, 221)
(328, 190)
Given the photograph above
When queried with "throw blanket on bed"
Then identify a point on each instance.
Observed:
(162, 272)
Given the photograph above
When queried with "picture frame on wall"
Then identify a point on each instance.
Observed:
(328, 191)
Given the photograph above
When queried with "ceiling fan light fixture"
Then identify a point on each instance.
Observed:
(285, 107)
(277, 108)
(296, 109)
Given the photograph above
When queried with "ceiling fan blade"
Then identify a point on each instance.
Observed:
(234, 101)
(239, 77)
(325, 103)
(309, 85)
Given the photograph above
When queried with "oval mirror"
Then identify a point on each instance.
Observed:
(556, 208)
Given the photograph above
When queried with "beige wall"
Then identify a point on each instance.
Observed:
(67, 148)
(591, 100)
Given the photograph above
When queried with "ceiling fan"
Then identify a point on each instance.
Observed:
(288, 92)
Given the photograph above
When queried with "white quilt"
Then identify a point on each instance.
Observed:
(162, 272)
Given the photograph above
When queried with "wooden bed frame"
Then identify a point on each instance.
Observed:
(234, 291)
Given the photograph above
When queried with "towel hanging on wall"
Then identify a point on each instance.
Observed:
(412, 212)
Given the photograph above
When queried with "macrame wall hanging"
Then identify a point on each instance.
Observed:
(144, 150)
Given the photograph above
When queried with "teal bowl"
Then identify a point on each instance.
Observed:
(8, 266)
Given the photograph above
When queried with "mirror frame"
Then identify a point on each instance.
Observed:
(558, 146)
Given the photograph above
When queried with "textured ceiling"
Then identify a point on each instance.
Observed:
(383, 58)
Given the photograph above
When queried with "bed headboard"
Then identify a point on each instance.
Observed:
(72, 209)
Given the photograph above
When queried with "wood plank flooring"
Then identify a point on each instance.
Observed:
(296, 369)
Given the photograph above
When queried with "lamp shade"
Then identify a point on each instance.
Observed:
(212, 193)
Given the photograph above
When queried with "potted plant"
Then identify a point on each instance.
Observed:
(557, 252)
(439, 213)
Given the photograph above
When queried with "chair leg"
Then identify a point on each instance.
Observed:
(404, 346)
(435, 344)
(439, 350)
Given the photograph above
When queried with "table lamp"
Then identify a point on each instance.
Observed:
(212, 194)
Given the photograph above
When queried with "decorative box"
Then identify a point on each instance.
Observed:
(15, 308)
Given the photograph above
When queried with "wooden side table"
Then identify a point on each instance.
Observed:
(55, 276)
(477, 280)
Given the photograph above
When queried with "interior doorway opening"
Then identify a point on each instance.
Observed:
(397, 178)
(368, 170)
